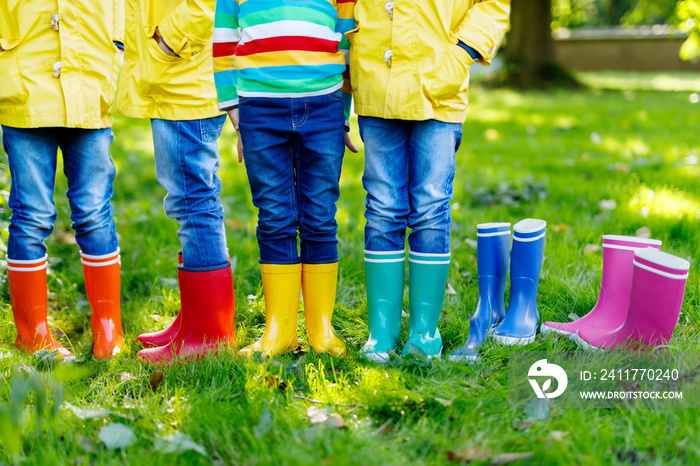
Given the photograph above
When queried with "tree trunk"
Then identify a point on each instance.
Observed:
(529, 47)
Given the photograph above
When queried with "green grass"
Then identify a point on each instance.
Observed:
(638, 148)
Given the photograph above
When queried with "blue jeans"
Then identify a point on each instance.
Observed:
(33, 154)
(409, 170)
(187, 159)
(293, 151)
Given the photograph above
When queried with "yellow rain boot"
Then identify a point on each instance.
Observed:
(281, 286)
(318, 282)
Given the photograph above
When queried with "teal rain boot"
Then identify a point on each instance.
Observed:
(427, 280)
(384, 275)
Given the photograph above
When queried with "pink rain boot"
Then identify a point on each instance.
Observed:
(611, 309)
(658, 284)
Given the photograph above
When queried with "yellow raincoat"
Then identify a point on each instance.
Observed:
(404, 61)
(153, 84)
(60, 74)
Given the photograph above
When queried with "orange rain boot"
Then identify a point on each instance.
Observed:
(28, 295)
(318, 283)
(165, 336)
(207, 316)
(102, 283)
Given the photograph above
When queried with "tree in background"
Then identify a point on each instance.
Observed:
(529, 48)
(688, 14)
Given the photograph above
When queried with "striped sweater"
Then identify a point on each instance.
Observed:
(281, 48)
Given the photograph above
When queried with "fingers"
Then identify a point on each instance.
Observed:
(349, 144)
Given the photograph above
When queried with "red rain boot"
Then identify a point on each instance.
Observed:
(207, 317)
(165, 336)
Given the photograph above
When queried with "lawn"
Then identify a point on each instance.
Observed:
(553, 155)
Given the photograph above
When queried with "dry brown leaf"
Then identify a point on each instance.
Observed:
(449, 290)
(155, 380)
(507, 458)
(607, 204)
(233, 223)
(643, 232)
(591, 248)
(622, 168)
(524, 424)
(560, 228)
(66, 238)
(125, 377)
(469, 455)
(325, 417)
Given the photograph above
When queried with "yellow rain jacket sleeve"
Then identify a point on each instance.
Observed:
(59, 64)
(153, 84)
(404, 59)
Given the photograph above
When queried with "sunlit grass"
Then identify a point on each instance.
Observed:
(665, 202)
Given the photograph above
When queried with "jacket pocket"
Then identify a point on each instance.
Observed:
(452, 76)
(12, 90)
(354, 39)
(167, 78)
(108, 95)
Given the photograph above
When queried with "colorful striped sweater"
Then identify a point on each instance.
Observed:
(281, 48)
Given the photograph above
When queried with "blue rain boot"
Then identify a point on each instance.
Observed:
(492, 255)
(526, 257)
(427, 280)
(384, 277)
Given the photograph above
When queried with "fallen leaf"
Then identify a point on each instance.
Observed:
(86, 443)
(607, 204)
(125, 376)
(643, 232)
(522, 425)
(274, 381)
(596, 138)
(385, 430)
(560, 228)
(58, 332)
(443, 402)
(325, 417)
(507, 458)
(155, 317)
(573, 316)
(449, 290)
(537, 409)
(155, 380)
(85, 413)
(233, 223)
(622, 167)
(591, 248)
(178, 443)
(66, 238)
(171, 283)
(558, 435)
(470, 242)
(116, 436)
(469, 455)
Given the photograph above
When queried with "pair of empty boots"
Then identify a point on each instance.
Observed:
(29, 299)
(519, 325)
(205, 322)
(640, 298)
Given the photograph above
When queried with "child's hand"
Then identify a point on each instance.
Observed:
(234, 116)
(349, 144)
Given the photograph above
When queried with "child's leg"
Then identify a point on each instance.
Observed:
(386, 181)
(267, 132)
(319, 158)
(90, 172)
(433, 146)
(32, 158)
(187, 161)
